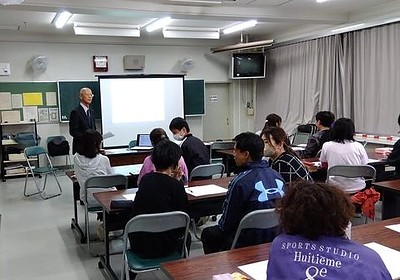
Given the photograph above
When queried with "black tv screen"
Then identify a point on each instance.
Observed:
(248, 65)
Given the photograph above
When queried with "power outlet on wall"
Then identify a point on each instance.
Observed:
(5, 69)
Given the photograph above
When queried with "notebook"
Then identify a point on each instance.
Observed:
(143, 142)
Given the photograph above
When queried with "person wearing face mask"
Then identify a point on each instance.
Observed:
(194, 151)
(283, 159)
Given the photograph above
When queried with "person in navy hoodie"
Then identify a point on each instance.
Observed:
(314, 218)
(257, 186)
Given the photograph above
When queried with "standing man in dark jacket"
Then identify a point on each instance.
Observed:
(81, 118)
(256, 187)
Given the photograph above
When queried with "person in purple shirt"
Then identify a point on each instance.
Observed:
(313, 217)
(156, 136)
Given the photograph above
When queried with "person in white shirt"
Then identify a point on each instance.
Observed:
(342, 149)
(89, 162)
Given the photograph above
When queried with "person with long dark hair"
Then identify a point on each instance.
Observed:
(282, 158)
(343, 149)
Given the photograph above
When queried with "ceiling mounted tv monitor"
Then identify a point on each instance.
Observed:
(248, 66)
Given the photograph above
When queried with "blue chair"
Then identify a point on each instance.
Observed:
(35, 153)
(152, 223)
(257, 219)
(97, 184)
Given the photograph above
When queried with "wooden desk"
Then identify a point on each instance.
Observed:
(204, 205)
(125, 156)
(390, 191)
(204, 267)
(128, 170)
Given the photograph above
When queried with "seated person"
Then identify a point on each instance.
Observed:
(193, 149)
(156, 136)
(342, 149)
(271, 120)
(160, 191)
(282, 158)
(88, 162)
(256, 187)
(313, 217)
(324, 121)
(394, 157)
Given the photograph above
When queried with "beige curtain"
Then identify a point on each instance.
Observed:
(303, 79)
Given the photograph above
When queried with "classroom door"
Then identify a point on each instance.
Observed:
(216, 121)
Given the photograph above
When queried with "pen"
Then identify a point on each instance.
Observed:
(189, 190)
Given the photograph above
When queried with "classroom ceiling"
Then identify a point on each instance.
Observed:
(277, 19)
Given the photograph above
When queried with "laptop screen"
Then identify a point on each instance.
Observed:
(143, 140)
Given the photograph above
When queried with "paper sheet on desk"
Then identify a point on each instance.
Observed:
(205, 190)
(130, 196)
(394, 227)
(257, 270)
(389, 256)
(108, 135)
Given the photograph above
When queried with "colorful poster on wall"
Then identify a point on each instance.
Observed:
(32, 98)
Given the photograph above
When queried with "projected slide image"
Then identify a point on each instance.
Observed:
(145, 102)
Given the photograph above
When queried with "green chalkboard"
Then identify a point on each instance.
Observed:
(194, 97)
(68, 92)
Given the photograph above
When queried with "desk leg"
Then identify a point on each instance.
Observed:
(74, 221)
(105, 260)
(390, 205)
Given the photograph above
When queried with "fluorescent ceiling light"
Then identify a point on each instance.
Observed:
(104, 29)
(10, 27)
(199, 1)
(240, 26)
(61, 19)
(321, 1)
(11, 2)
(157, 24)
(191, 32)
(348, 28)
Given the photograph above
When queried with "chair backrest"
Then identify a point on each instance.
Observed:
(132, 143)
(34, 151)
(207, 170)
(57, 146)
(309, 128)
(219, 145)
(258, 219)
(106, 181)
(159, 222)
(352, 171)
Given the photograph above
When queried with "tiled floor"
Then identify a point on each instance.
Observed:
(36, 240)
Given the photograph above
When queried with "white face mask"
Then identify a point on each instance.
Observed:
(178, 137)
(268, 151)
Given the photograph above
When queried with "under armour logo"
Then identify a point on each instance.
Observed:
(265, 193)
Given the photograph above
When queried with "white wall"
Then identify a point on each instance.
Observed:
(71, 61)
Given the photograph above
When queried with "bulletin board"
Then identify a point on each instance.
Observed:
(68, 92)
(28, 101)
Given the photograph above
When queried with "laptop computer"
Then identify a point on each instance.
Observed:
(143, 142)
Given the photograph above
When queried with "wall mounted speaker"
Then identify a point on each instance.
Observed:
(133, 62)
